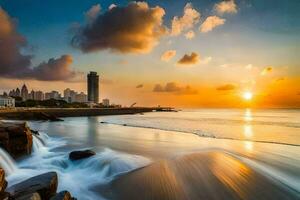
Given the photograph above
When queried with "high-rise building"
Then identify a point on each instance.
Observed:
(24, 93)
(52, 95)
(93, 87)
(18, 93)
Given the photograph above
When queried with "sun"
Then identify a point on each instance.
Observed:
(247, 96)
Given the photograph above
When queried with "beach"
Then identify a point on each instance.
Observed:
(191, 154)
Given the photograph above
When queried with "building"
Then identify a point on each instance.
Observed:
(105, 102)
(93, 87)
(31, 95)
(69, 95)
(7, 102)
(52, 95)
(39, 96)
(24, 92)
(81, 98)
(18, 93)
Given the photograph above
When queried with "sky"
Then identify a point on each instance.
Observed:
(206, 53)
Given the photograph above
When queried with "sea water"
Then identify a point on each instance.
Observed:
(266, 140)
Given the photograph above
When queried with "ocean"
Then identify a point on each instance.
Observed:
(268, 141)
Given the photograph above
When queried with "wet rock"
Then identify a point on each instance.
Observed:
(63, 195)
(5, 196)
(32, 196)
(15, 138)
(50, 117)
(34, 132)
(3, 182)
(77, 155)
(45, 185)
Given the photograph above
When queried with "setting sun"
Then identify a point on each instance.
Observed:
(247, 95)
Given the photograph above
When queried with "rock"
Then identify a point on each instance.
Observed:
(3, 182)
(5, 196)
(34, 132)
(77, 155)
(32, 196)
(15, 138)
(63, 195)
(45, 185)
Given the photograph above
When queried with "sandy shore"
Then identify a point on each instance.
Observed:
(197, 176)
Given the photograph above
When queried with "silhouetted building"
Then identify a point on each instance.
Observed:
(39, 96)
(93, 87)
(18, 93)
(105, 102)
(24, 93)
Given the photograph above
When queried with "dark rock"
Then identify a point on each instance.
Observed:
(5, 196)
(3, 182)
(15, 138)
(63, 195)
(34, 132)
(32, 196)
(45, 185)
(77, 155)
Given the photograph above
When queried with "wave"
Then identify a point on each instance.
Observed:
(200, 134)
(78, 177)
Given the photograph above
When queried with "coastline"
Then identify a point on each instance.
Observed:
(54, 113)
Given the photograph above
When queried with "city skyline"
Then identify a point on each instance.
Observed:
(211, 53)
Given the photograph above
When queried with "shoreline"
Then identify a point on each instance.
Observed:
(53, 114)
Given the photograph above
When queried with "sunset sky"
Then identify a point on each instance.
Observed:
(206, 53)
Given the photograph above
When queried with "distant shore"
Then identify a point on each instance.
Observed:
(56, 113)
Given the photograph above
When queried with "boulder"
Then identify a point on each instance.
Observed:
(32, 196)
(3, 182)
(45, 185)
(15, 138)
(77, 155)
(63, 195)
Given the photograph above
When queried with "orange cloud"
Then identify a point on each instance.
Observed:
(168, 55)
(190, 17)
(189, 59)
(173, 87)
(226, 7)
(226, 87)
(210, 23)
(135, 28)
(189, 35)
(266, 70)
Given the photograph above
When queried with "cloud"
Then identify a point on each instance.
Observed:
(93, 13)
(210, 23)
(54, 69)
(172, 87)
(190, 17)
(266, 70)
(189, 35)
(206, 60)
(135, 28)
(226, 87)
(139, 86)
(189, 59)
(16, 65)
(168, 55)
(226, 7)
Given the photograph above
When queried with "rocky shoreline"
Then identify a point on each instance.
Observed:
(16, 139)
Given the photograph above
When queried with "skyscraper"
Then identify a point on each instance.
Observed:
(93, 87)
(24, 93)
